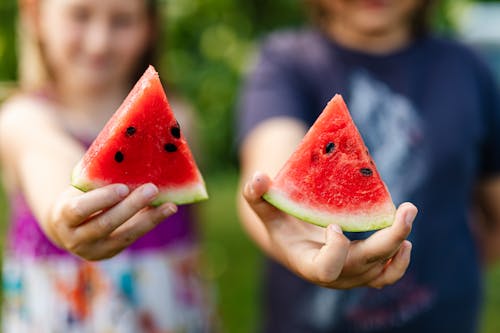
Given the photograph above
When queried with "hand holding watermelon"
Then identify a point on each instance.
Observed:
(101, 223)
(326, 257)
(328, 180)
(140, 149)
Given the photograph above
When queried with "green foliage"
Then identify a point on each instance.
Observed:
(7, 40)
(209, 45)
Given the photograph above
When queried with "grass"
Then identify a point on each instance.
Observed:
(491, 318)
(232, 263)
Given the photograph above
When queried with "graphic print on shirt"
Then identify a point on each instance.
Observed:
(392, 130)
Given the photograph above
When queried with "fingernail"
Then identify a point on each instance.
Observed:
(409, 218)
(335, 228)
(149, 191)
(409, 247)
(256, 177)
(407, 250)
(169, 210)
(122, 190)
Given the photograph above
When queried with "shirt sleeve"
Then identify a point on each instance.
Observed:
(273, 87)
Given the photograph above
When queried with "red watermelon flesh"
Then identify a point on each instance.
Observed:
(142, 142)
(331, 177)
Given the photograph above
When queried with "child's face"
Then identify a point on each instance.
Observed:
(372, 17)
(94, 43)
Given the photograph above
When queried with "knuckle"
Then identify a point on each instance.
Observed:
(378, 285)
(139, 200)
(344, 242)
(154, 221)
(327, 275)
(73, 210)
(326, 278)
(98, 254)
(401, 233)
(111, 253)
(381, 258)
(73, 246)
(137, 203)
(396, 275)
(129, 238)
(93, 257)
(104, 224)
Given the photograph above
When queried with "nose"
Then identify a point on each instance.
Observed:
(98, 38)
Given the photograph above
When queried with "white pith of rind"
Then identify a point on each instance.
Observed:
(187, 194)
(380, 218)
(179, 195)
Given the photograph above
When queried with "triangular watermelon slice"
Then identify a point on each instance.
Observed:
(142, 142)
(331, 177)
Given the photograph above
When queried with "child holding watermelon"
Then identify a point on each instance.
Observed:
(79, 59)
(429, 112)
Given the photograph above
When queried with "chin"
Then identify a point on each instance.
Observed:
(374, 25)
(93, 85)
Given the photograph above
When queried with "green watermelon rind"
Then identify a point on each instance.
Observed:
(379, 218)
(187, 194)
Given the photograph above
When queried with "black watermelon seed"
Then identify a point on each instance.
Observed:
(170, 147)
(130, 131)
(119, 156)
(330, 146)
(176, 132)
(366, 171)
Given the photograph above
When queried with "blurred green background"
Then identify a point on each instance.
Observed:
(210, 44)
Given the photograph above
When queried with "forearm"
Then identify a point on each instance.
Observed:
(37, 154)
(265, 150)
(487, 219)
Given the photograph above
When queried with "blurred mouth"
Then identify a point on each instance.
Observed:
(374, 4)
(101, 63)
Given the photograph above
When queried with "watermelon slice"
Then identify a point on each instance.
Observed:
(331, 177)
(142, 142)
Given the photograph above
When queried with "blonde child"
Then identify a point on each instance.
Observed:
(429, 111)
(78, 60)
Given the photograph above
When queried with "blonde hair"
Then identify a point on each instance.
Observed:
(32, 69)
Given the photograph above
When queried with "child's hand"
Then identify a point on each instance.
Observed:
(325, 256)
(101, 223)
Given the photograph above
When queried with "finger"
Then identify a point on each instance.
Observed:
(395, 268)
(139, 225)
(102, 225)
(253, 191)
(328, 262)
(78, 209)
(385, 243)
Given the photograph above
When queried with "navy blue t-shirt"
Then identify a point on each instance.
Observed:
(430, 115)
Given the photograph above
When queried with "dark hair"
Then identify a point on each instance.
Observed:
(420, 25)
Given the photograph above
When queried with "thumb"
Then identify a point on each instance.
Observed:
(253, 191)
